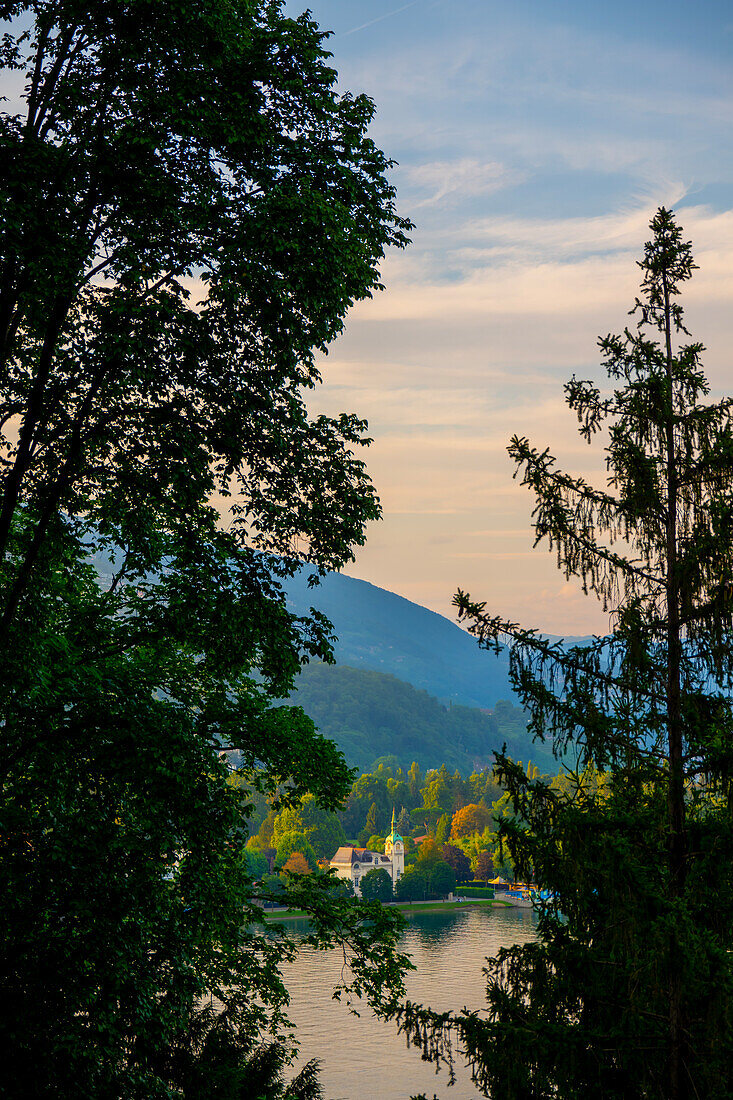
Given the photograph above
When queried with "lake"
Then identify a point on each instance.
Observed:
(364, 1058)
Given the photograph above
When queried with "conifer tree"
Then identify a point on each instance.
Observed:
(628, 991)
(372, 820)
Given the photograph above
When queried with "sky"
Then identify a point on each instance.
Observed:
(535, 140)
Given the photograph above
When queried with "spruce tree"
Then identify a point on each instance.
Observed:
(628, 990)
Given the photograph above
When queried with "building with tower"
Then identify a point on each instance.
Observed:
(394, 849)
(354, 863)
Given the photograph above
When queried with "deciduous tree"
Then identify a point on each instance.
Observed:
(188, 208)
(297, 864)
(377, 885)
(484, 866)
(442, 879)
(323, 829)
(471, 819)
(458, 860)
(412, 886)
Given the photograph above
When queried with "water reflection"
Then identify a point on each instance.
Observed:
(434, 930)
(363, 1058)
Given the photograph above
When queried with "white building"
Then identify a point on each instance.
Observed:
(354, 863)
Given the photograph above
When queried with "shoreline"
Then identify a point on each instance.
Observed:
(403, 906)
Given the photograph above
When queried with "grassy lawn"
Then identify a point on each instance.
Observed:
(404, 906)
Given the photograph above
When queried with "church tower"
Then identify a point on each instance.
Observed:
(394, 847)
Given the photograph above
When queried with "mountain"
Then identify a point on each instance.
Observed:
(381, 631)
(372, 715)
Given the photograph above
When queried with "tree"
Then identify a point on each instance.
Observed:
(443, 828)
(484, 866)
(412, 886)
(367, 789)
(471, 819)
(371, 825)
(187, 210)
(458, 860)
(257, 863)
(414, 781)
(403, 824)
(297, 864)
(442, 879)
(430, 852)
(438, 793)
(628, 991)
(342, 887)
(323, 829)
(377, 885)
(295, 842)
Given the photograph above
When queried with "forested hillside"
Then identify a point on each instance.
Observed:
(382, 631)
(372, 715)
(379, 630)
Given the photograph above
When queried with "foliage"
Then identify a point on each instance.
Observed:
(266, 831)
(371, 825)
(429, 852)
(365, 790)
(628, 990)
(412, 885)
(342, 888)
(295, 842)
(471, 819)
(457, 859)
(414, 781)
(323, 829)
(257, 864)
(225, 1069)
(376, 885)
(297, 864)
(371, 714)
(442, 791)
(484, 866)
(187, 210)
(443, 827)
(442, 879)
(375, 843)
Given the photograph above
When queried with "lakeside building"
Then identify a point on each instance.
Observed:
(353, 863)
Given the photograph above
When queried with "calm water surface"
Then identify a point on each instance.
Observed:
(364, 1058)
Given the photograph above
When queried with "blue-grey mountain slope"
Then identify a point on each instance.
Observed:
(384, 632)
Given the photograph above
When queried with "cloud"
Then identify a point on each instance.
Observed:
(459, 179)
(379, 18)
(447, 372)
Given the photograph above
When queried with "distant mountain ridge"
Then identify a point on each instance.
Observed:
(380, 630)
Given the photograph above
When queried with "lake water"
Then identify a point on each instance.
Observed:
(364, 1058)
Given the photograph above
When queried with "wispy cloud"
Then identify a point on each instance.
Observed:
(380, 18)
(463, 178)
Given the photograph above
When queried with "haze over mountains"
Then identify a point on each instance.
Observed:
(384, 632)
(408, 683)
(391, 652)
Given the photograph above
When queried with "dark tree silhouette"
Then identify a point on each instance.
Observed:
(628, 991)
